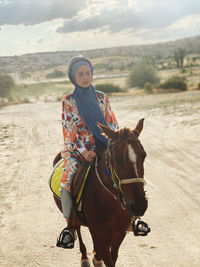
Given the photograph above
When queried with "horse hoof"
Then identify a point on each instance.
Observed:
(97, 263)
(85, 263)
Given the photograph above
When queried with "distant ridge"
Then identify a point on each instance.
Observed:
(45, 60)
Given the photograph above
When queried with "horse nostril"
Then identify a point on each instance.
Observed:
(136, 211)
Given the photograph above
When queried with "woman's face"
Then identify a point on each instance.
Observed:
(83, 76)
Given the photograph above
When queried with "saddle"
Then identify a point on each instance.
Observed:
(79, 183)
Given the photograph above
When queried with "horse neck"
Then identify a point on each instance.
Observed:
(102, 167)
(106, 194)
(100, 183)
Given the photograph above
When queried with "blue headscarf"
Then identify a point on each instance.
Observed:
(88, 106)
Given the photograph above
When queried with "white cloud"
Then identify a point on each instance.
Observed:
(29, 12)
(186, 22)
(131, 15)
(45, 25)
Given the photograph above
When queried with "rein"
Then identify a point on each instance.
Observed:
(99, 178)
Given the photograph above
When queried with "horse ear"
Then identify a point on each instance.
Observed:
(139, 127)
(108, 132)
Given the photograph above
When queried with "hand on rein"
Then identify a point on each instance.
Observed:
(89, 155)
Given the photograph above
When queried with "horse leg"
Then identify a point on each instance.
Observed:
(84, 258)
(97, 260)
(97, 263)
(58, 202)
(102, 250)
(115, 247)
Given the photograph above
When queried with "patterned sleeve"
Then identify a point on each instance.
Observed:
(72, 140)
(110, 116)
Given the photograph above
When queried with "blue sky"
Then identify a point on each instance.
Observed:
(28, 26)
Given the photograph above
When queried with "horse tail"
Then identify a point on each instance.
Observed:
(57, 158)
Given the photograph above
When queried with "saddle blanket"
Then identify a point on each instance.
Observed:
(55, 178)
(78, 183)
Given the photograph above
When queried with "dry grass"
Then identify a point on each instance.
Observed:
(53, 90)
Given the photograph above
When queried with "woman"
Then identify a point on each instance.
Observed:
(80, 112)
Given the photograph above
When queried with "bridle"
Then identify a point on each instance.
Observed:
(117, 182)
(126, 180)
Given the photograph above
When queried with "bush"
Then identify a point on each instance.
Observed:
(183, 70)
(55, 74)
(174, 82)
(6, 84)
(148, 87)
(108, 88)
(141, 74)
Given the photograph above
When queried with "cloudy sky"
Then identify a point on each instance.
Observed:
(28, 26)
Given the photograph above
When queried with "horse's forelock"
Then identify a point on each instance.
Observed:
(123, 133)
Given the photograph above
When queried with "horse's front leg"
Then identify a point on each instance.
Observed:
(102, 251)
(115, 246)
(84, 258)
(97, 260)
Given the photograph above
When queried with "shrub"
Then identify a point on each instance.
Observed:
(25, 100)
(108, 88)
(141, 74)
(6, 84)
(183, 70)
(148, 87)
(58, 98)
(174, 82)
(55, 74)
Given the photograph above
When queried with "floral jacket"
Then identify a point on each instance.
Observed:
(76, 135)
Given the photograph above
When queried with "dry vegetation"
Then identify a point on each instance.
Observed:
(111, 65)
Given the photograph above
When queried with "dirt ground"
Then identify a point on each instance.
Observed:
(30, 136)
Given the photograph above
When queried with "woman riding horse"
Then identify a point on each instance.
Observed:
(81, 110)
(114, 196)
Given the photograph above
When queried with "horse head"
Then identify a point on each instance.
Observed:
(126, 158)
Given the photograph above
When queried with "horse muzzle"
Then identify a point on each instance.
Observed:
(138, 209)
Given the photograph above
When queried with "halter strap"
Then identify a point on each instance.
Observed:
(120, 182)
(133, 180)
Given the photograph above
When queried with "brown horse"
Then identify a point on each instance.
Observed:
(114, 196)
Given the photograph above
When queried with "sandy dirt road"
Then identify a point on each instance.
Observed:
(30, 136)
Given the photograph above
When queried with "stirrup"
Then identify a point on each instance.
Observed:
(141, 228)
(66, 238)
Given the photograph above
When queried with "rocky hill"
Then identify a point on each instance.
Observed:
(43, 61)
